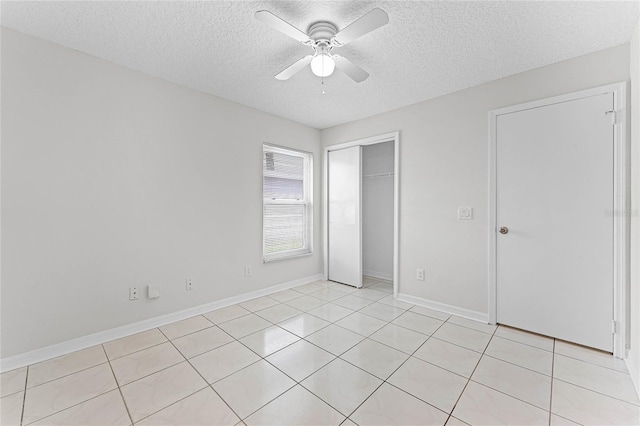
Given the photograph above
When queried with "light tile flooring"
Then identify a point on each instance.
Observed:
(325, 354)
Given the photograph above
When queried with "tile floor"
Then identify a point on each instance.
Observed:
(324, 354)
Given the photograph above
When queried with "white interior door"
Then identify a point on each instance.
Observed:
(345, 229)
(555, 197)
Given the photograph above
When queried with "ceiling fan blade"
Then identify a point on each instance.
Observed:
(294, 68)
(356, 73)
(367, 23)
(283, 26)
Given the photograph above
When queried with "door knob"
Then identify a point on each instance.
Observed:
(504, 230)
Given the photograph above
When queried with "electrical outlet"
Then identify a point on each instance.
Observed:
(189, 284)
(248, 271)
(133, 293)
(420, 274)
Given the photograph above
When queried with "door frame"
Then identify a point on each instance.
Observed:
(620, 213)
(387, 137)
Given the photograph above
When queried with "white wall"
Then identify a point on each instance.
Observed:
(444, 164)
(377, 211)
(635, 205)
(111, 179)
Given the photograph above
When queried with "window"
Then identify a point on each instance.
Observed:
(287, 202)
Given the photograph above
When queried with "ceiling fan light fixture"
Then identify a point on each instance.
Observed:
(322, 65)
(322, 37)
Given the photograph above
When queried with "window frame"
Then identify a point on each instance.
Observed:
(306, 201)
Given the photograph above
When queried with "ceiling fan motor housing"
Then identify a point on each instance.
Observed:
(322, 32)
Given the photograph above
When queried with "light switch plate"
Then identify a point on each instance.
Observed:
(465, 213)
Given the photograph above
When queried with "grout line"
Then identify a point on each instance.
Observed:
(124, 401)
(66, 375)
(157, 371)
(443, 368)
(517, 330)
(202, 377)
(210, 350)
(391, 384)
(521, 366)
(139, 350)
(193, 332)
(222, 399)
(229, 320)
(268, 402)
(237, 371)
(367, 398)
(553, 362)
(261, 359)
(24, 396)
(458, 345)
(71, 406)
(611, 370)
(353, 365)
(473, 372)
(637, 406)
(626, 373)
(509, 395)
(416, 397)
(135, 352)
(341, 353)
(274, 352)
(81, 402)
(173, 403)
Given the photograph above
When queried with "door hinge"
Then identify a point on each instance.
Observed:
(614, 327)
(613, 116)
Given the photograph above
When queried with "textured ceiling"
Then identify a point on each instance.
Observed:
(429, 48)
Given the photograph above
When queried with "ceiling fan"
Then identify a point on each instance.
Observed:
(323, 37)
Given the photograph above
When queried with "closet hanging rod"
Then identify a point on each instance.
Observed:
(377, 175)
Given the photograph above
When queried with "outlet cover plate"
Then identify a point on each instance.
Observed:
(133, 293)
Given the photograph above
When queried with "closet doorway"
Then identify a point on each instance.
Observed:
(361, 203)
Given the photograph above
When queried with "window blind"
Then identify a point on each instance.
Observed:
(286, 203)
(283, 176)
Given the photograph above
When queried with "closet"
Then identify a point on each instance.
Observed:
(361, 208)
(377, 210)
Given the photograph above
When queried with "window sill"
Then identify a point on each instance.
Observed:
(293, 256)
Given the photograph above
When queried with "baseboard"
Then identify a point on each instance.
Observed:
(443, 307)
(633, 371)
(377, 274)
(53, 351)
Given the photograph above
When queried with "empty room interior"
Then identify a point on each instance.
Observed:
(320, 213)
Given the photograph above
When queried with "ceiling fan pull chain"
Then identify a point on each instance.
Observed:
(322, 77)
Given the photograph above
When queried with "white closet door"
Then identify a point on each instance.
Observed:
(554, 208)
(345, 219)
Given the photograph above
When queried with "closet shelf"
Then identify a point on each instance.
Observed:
(377, 175)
